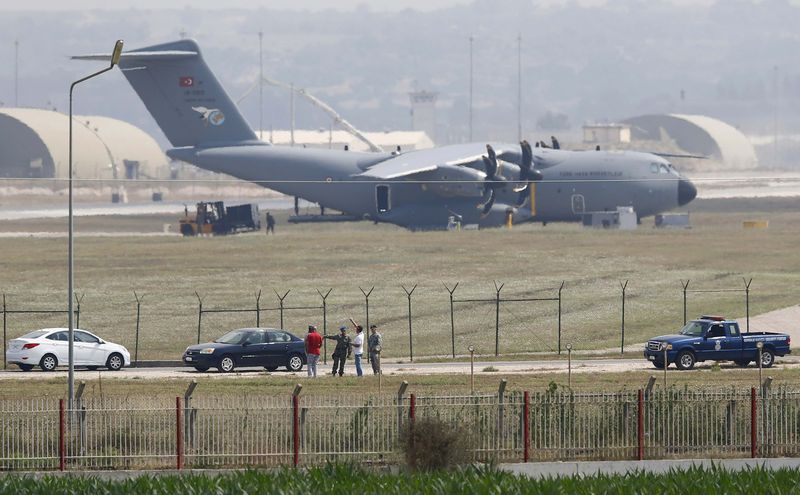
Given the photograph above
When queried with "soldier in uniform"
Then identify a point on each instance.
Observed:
(342, 350)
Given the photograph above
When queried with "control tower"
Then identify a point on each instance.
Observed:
(423, 112)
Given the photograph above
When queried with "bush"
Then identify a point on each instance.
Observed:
(432, 444)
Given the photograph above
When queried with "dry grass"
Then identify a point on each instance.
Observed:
(531, 260)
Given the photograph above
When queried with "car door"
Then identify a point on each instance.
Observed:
(88, 350)
(732, 345)
(278, 348)
(253, 349)
(58, 344)
(710, 348)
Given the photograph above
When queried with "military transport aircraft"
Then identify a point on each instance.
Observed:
(478, 183)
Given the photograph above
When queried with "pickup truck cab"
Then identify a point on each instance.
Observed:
(714, 338)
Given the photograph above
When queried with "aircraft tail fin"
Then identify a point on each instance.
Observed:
(183, 95)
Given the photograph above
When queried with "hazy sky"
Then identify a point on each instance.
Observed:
(377, 5)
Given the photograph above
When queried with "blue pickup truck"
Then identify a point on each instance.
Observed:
(714, 338)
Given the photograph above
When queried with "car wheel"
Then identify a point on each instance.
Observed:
(295, 363)
(115, 362)
(226, 364)
(48, 362)
(767, 358)
(201, 369)
(685, 360)
(742, 363)
(658, 364)
(271, 368)
(25, 367)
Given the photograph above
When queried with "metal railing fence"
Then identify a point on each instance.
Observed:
(215, 432)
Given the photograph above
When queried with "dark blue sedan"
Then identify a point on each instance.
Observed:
(248, 347)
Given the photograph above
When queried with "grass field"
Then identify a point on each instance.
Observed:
(347, 479)
(282, 384)
(530, 260)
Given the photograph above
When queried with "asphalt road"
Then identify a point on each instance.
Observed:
(390, 368)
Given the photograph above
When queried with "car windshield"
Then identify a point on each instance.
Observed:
(694, 328)
(233, 337)
(34, 335)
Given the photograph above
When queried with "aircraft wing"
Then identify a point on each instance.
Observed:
(417, 162)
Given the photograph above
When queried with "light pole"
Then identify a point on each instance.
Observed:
(71, 279)
(569, 365)
(471, 350)
(760, 347)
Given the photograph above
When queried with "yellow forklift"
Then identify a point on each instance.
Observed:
(213, 218)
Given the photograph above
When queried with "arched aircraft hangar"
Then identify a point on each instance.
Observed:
(698, 134)
(34, 143)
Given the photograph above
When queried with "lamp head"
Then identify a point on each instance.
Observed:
(116, 53)
(759, 344)
(569, 347)
(471, 348)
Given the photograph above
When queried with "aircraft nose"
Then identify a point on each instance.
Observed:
(686, 191)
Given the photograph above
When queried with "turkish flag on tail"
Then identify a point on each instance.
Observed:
(186, 81)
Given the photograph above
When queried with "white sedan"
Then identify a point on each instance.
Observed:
(49, 348)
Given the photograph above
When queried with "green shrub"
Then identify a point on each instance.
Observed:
(432, 444)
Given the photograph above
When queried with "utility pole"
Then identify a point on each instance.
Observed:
(519, 87)
(291, 111)
(776, 97)
(260, 85)
(471, 40)
(16, 73)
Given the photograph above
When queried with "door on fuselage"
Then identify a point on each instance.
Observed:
(578, 204)
(383, 199)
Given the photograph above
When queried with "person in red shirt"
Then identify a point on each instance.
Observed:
(313, 345)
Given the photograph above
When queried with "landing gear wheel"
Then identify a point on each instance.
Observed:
(767, 358)
(201, 369)
(226, 364)
(25, 367)
(115, 362)
(48, 362)
(295, 363)
(685, 360)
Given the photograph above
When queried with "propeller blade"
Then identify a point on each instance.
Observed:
(487, 206)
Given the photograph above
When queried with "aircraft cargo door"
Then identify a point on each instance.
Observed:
(383, 199)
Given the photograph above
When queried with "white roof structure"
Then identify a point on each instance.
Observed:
(698, 134)
(337, 139)
(35, 143)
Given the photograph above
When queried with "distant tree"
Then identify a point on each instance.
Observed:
(552, 121)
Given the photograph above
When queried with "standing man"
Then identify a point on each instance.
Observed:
(342, 350)
(313, 345)
(375, 344)
(270, 223)
(358, 348)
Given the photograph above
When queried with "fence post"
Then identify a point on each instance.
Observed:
(410, 337)
(199, 315)
(526, 428)
(640, 424)
(685, 287)
(501, 392)
(138, 314)
(622, 342)
(497, 318)
(189, 415)
(281, 300)
(80, 412)
(5, 365)
(747, 301)
(400, 393)
(559, 316)
(78, 310)
(366, 307)
(178, 434)
(258, 308)
(296, 424)
(62, 454)
(325, 324)
(753, 424)
(452, 318)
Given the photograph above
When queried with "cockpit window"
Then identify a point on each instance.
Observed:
(663, 169)
(654, 168)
